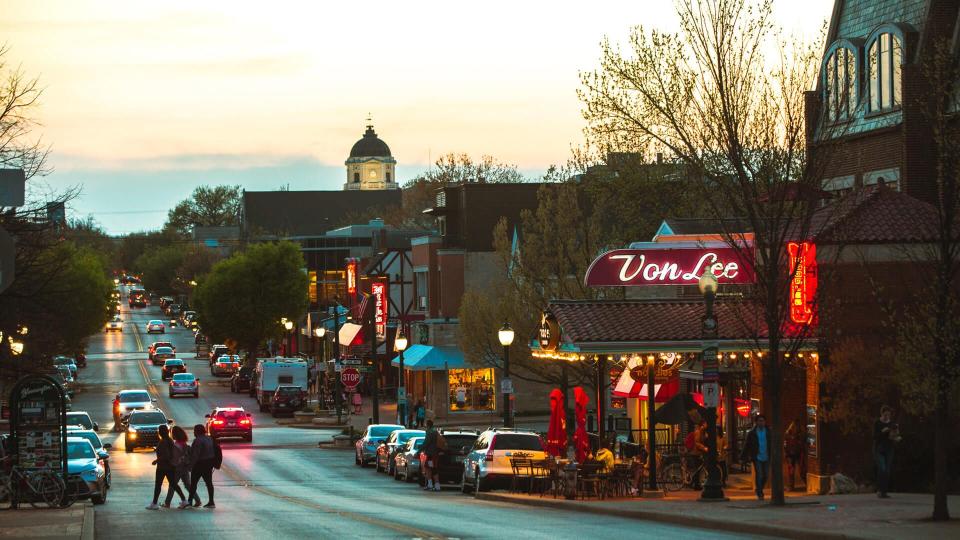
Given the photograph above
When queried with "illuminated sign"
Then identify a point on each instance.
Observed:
(549, 333)
(669, 266)
(379, 290)
(352, 277)
(803, 283)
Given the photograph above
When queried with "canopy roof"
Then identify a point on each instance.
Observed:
(428, 358)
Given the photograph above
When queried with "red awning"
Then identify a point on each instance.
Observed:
(663, 392)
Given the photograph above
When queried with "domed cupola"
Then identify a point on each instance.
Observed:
(370, 165)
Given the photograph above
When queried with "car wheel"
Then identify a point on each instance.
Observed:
(478, 483)
(102, 498)
(170, 395)
(196, 395)
(249, 438)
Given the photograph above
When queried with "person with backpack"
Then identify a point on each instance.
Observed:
(207, 456)
(165, 469)
(433, 443)
(182, 462)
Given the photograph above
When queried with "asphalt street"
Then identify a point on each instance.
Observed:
(282, 485)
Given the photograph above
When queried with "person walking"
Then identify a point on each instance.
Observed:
(757, 451)
(206, 454)
(182, 462)
(430, 454)
(357, 403)
(793, 451)
(165, 468)
(421, 412)
(722, 456)
(885, 434)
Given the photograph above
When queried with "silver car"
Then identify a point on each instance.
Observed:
(406, 464)
(84, 463)
(184, 383)
(128, 401)
(99, 446)
(82, 419)
(487, 465)
(366, 447)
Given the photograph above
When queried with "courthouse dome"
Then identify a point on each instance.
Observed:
(370, 146)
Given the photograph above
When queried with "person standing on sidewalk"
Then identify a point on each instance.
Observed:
(205, 454)
(793, 451)
(757, 451)
(430, 452)
(885, 433)
(357, 403)
(165, 468)
(421, 413)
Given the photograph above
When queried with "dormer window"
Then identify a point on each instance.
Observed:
(884, 61)
(840, 84)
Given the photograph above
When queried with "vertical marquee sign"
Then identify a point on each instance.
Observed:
(351, 277)
(379, 290)
(803, 282)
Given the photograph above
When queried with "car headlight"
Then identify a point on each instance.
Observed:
(89, 475)
(132, 431)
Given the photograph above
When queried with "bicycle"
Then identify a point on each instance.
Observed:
(45, 487)
(677, 475)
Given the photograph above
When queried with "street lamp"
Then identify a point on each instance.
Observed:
(712, 488)
(288, 325)
(320, 332)
(505, 335)
(400, 342)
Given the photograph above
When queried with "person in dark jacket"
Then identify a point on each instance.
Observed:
(430, 454)
(182, 462)
(757, 451)
(204, 463)
(885, 433)
(165, 468)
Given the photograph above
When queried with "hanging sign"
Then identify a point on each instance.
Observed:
(803, 283)
(548, 333)
(379, 290)
(351, 276)
(670, 266)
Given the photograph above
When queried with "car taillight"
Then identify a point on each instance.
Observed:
(489, 456)
(245, 422)
(218, 422)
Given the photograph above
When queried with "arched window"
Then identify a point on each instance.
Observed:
(356, 177)
(840, 84)
(884, 60)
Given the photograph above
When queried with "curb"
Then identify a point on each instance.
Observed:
(88, 530)
(673, 519)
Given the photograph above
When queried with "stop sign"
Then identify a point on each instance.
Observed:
(350, 377)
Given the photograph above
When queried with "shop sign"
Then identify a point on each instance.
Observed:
(351, 276)
(379, 290)
(549, 333)
(669, 266)
(803, 284)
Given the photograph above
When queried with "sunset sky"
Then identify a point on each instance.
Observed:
(145, 100)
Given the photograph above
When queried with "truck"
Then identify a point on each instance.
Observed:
(273, 372)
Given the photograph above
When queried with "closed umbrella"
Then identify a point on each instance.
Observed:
(680, 408)
(581, 442)
(557, 431)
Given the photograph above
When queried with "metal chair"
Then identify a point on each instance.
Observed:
(588, 478)
(521, 473)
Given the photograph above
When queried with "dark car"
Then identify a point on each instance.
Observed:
(81, 359)
(173, 310)
(142, 429)
(287, 399)
(230, 422)
(241, 380)
(156, 345)
(459, 444)
(171, 366)
(137, 298)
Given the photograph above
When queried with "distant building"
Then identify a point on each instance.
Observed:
(222, 240)
(370, 165)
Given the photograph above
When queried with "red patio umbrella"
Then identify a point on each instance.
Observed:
(557, 431)
(581, 442)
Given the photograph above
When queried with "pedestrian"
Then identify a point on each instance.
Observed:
(885, 434)
(182, 462)
(207, 456)
(696, 446)
(421, 412)
(357, 403)
(429, 458)
(165, 468)
(757, 451)
(722, 456)
(793, 451)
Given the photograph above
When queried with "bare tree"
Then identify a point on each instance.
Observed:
(712, 98)
(19, 97)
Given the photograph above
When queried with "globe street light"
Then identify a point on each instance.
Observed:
(712, 488)
(288, 324)
(506, 335)
(320, 332)
(400, 342)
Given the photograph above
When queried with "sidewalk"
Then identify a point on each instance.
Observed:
(824, 516)
(76, 522)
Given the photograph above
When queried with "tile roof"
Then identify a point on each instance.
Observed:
(646, 320)
(875, 214)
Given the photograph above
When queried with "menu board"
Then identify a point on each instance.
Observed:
(39, 427)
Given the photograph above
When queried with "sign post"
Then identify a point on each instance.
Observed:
(350, 377)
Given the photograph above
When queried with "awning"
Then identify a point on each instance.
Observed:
(428, 358)
(348, 333)
(662, 392)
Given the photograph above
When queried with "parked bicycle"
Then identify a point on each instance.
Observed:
(684, 472)
(40, 488)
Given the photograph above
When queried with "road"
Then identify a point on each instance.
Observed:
(282, 485)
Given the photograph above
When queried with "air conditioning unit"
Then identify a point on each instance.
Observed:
(422, 302)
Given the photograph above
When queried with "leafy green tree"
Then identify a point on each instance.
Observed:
(158, 268)
(133, 245)
(207, 206)
(244, 297)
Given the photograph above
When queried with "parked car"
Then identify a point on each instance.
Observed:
(366, 446)
(241, 379)
(391, 445)
(162, 354)
(171, 366)
(83, 462)
(225, 365)
(406, 464)
(99, 446)
(230, 422)
(287, 399)
(142, 429)
(487, 464)
(114, 325)
(71, 364)
(157, 326)
(184, 383)
(82, 419)
(128, 401)
(157, 344)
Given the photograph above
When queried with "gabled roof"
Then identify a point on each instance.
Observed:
(308, 213)
(874, 215)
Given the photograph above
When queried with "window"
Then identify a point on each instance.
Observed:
(840, 87)
(388, 177)
(471, 390)
(884, 61)
(356, 177)
(421, 290)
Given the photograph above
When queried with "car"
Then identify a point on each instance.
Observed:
(487, 464)
(171, 366)
(450, 462)
(114, 325)
(84, 463)
(165, 301)
(142, 429)
(187, 316)
(406, 464)
(162, 354)
(391, 445)
(184, 383)
(216, 351)
(82, 419)
(287, 399)
(128, 401)
(156, 344)
(137, 298)
(365, 449)
(241, 379)
(71, 364)
(173, 311)
(225, 365)
(62, 375)
(99, 446)
(156, 326)
(81, 359)
(230, 422)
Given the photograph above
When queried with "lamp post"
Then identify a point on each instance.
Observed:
(505, 335)
(400, 342)
(712, 488)
(337, 397)
(321, 333)
(288, 324)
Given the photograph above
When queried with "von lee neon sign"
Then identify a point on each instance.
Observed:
(669, 266)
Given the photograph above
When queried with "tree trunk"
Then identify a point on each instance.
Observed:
(942, 431)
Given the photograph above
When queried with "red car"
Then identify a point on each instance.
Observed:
(230, 422)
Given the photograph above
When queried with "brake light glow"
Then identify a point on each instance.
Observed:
(489, 456)
(245, 422)
(218, 422)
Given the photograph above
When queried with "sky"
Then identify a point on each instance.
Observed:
(143, 101)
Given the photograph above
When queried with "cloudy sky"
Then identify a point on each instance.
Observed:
(145, 100)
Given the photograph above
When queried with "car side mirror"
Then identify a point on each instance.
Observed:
(153, 400)
(96, 426)
(169, 421)
(208, 416)
(107, 446)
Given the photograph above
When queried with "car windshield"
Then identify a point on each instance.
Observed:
(90, 436)
(162, 345)
(383, 431)
(134, 396)
(404, 437)
(79, 419)
(115, 318)
(225, 360)
(79, 450)
(459, 441)
(417, 443)
(288, 390)
(505, 441)
(183, 377)
(231, 415)
(173, 363)
(148, 418)
(156, 322)
(164, 350)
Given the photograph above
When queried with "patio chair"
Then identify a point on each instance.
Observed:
(620, 480)
(589, 479)
(521, 473)
(541, 475)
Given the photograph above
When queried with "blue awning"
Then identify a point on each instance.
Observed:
(328, 323)
(427, 358)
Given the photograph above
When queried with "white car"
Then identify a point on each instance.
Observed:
(488, 462)
(156, 326)
(114, 325)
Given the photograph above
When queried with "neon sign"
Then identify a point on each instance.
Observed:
(379, 289)
(669, 266)
(352, 277)
(803, 282)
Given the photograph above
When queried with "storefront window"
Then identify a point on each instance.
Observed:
(471, 390)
